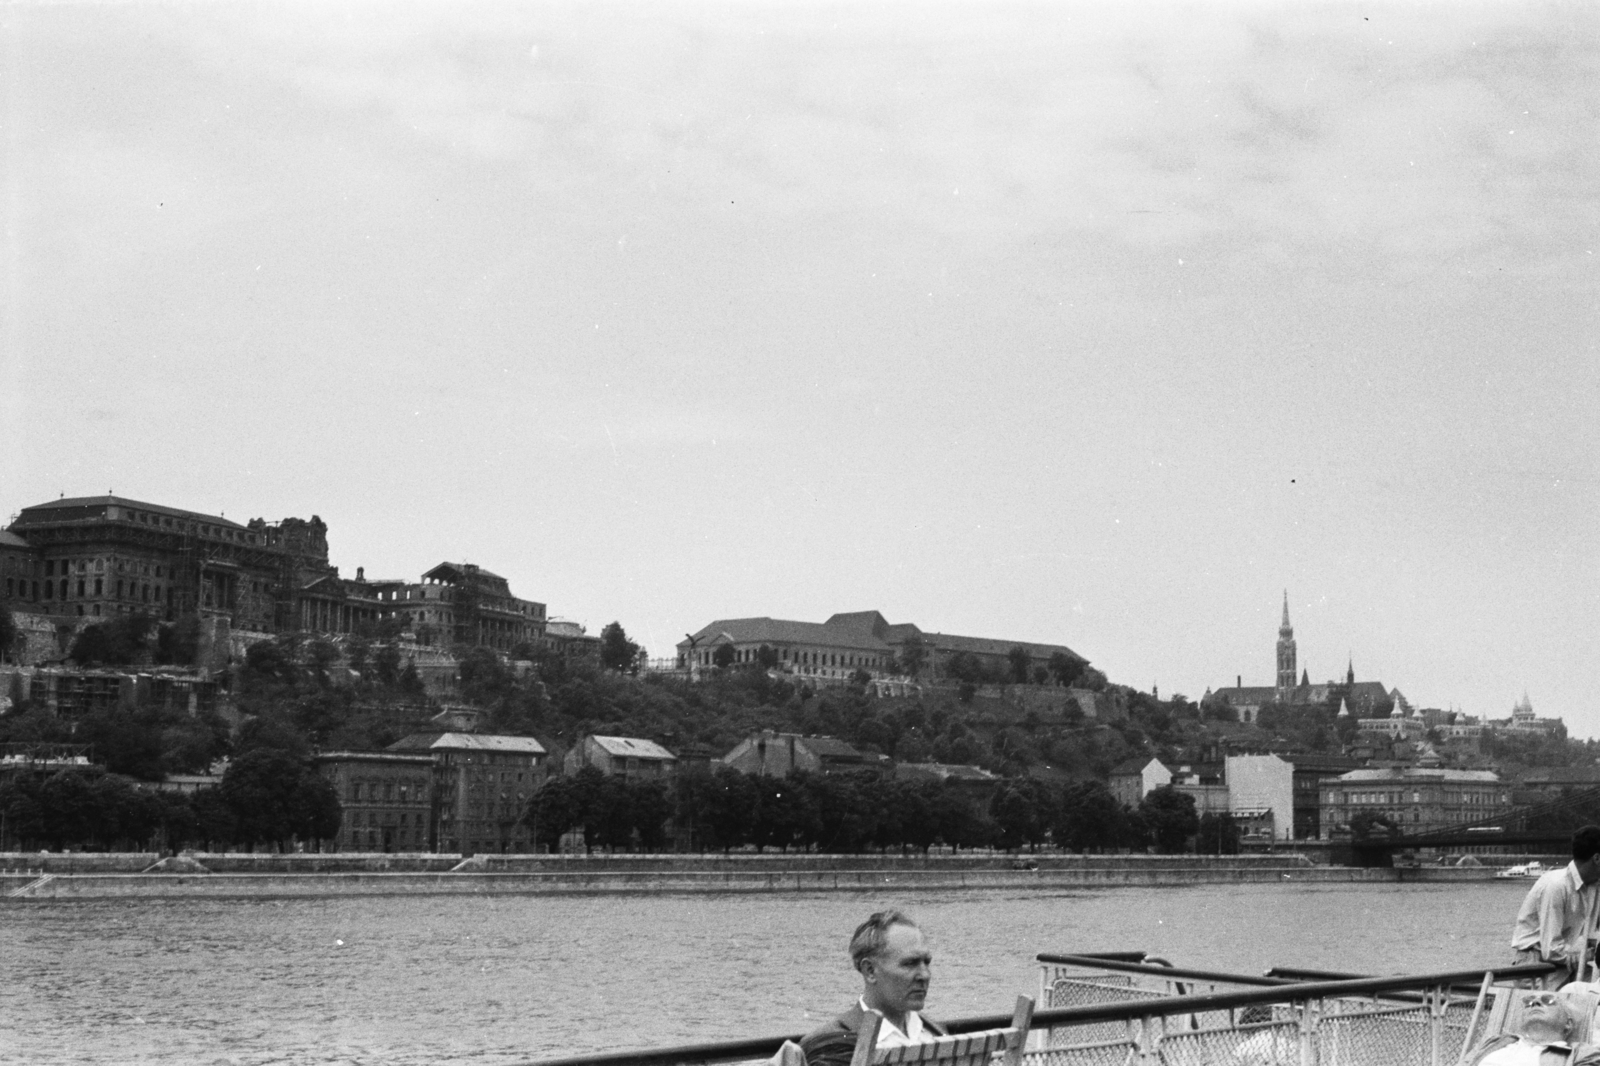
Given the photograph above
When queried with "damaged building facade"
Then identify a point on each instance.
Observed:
(75, 560)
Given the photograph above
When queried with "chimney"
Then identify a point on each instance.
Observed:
(1238, 681)
(361, 573)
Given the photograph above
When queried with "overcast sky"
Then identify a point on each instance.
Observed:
(1099, 325)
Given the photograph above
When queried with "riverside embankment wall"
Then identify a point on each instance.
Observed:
(38, 877)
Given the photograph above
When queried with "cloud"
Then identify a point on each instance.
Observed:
(1417, 132)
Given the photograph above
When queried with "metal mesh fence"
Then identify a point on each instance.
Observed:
(1344, 1032)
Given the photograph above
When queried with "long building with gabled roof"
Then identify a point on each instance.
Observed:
(851, 641)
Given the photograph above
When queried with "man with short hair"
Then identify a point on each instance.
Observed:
(1557, 918)
(892, 955)
(1549, 1020)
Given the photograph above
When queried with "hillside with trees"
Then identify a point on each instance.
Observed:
(293, 696)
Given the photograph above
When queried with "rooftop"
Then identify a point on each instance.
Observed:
(468, 742)
(1415, 773)
(41, 513)
(633, 748)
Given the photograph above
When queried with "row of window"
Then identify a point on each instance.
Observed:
(383, 818)
(52, 567)
(800, 658)
(374, 837)
(386, 792)
(205, 529)
(1450, 798)
(52, 590)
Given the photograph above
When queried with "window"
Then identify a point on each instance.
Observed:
(49, 568)
(99, 584)
(80, 588)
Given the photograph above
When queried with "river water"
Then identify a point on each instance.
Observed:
(495, 980)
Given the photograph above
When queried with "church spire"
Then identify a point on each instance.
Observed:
(1286, 654)
(1350, 672)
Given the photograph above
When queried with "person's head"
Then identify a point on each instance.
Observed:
(892, 956)
(1548, 1017)
(1586, 853)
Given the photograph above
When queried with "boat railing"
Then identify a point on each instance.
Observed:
(1122, 1010)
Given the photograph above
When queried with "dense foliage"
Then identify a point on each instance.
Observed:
(721, 810)
(265, 798)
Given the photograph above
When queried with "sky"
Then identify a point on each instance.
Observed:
(1105, 325)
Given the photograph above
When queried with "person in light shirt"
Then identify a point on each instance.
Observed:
(892, 956)
(1549, 1020)
(1557, 919)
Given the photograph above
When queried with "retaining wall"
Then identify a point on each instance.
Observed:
(539, 875)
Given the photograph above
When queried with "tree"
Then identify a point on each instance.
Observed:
(1170, 817)
(1021, 811)
(485, 678)
(767, 656)
(617, 652)
(410, 680)
(1219, 835)
(787, 817)
(913, 656)
(964, 666)
(387, 664)
(1369, 823)
(1065, 668)
(559, 805)
(268, 663)
(323, 655)
(178, 643)
(358, 653)
(723, 657)
(119, 642)
(1089, 818)
(8, 635)
(275, 796)
(1020, 663)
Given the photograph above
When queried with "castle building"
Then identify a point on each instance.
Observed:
(460, 603)
(857, 640)
(103, 556)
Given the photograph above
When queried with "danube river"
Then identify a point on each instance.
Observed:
(510, 979)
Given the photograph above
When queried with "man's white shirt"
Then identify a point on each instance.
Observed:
(1523, 1053)
(889, 1034)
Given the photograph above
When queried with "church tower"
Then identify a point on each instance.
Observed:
(1286, 654)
